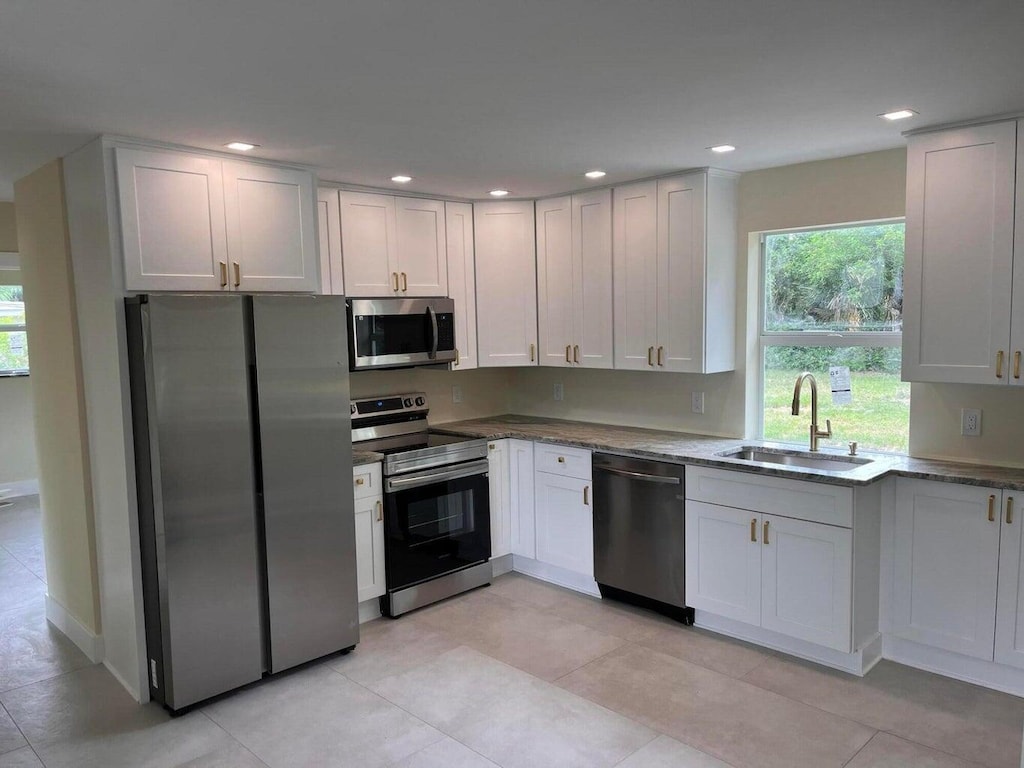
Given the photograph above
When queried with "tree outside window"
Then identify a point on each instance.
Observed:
(13, 339)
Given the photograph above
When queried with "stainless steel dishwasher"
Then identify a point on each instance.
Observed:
(639, 544)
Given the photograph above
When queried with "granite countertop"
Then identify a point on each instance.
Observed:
(686, 448)
(365, 457)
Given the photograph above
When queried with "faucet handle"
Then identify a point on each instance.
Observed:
(828, 429)
(853, 448)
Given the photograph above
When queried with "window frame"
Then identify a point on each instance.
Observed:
(12, 276)
(808, 338)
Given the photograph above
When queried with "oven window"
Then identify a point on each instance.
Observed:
(448, 515)
(380, 335)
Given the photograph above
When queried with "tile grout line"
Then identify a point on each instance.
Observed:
(935, 749)
(65, 673)
(232, 737)
(862, 748)
(27, 742)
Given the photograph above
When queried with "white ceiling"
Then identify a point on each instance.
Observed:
(467, 95)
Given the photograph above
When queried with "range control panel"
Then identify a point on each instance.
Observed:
(387, 405)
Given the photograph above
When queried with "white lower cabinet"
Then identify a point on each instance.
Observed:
(499, 497)
(369, 518)
(523, 533)
(565, 523)
(1009, 647)
(723, 561)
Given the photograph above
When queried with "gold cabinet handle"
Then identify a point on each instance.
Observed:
(992, 508)
(661, 354)
(405, 282)
(238, 273)
(561, 459)
(576, 353)
(360, 481)
(586, 495)
(999, 364)
(490, 446)
(380, 511)
(455, 362)
(1009, 511)
(568, 351)
(753, 529)
(223, 274)
(1016, 364)
(394, 282)
(764, 533)
(650, 355)
(532, 351)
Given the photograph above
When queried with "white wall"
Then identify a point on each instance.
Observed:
(17, 439)
(484, 391)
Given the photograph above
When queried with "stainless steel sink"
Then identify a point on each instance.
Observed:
(827, 461)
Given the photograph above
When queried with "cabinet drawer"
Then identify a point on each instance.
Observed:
(800, 499)
(366, 480)
(564, 461)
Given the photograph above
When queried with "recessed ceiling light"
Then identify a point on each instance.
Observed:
(899, 114)
(499, 192)
(241, 146)
(595, 174)
(401, 179)
(723, 148)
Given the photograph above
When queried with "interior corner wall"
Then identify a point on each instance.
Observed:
(56, 381)
(8, 229)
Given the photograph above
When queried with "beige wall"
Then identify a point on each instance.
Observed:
(484, 391)
(935, 423)
(18, 439)
(8, 229)
(56, 381)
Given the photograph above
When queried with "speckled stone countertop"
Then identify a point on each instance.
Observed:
(365, 457)
(686, 448)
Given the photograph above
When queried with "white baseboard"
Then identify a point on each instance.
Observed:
(369, 610)
(18, 488)
(132, 690)
(857, 663)
(91, 645)
(555, 575)
(987, 674)
(501, 565)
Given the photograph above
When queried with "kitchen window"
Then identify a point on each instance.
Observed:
(13, 339)
(834, 297)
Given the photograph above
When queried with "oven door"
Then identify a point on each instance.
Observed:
(396, 333)
(437, 521)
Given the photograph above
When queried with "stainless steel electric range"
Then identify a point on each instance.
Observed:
(437, 520)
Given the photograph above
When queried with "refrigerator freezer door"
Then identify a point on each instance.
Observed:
(197, 501)
(305, 442)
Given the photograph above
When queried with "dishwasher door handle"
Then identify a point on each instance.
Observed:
(663, 479)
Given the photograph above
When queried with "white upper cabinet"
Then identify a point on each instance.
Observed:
(462, 281)
(369, 244)
(422, 258)
(198, 223)
(172, 221)
(329, 222)
(946, 555)
(555, 281)
(506, 284)
(675, 274)
(272, 237)
(1016, 377)
(960, 256)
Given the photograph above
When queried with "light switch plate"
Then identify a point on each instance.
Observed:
(697, 402)
(456, 393)
(970, 422)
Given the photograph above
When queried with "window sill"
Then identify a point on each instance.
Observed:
(14, 374)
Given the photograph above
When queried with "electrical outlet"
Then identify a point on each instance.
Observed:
(559, 391)
(970, 422)
(697, 402)
(456, 393)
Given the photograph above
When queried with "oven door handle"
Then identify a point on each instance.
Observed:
(433, 332)
(429, 478)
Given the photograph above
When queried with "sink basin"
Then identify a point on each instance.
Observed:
(828, 461)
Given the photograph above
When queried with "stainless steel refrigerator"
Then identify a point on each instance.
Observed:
(244, 462)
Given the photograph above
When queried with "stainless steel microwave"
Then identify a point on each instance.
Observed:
(400, 333)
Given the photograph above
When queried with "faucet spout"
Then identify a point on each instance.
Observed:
(815, 432)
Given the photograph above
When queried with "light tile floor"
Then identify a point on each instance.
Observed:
(518, 674)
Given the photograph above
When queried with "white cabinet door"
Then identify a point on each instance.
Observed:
(506, 284)
(1017, 315)
(592, 280)
(271, 226)
(945, 553)
(959, 254)
(555, 282)
(1009, 648)
(332, 279)
(635, 275)
(369, 244)
(462, 281)
(172, 221)
(723, 561)
(370, 547)
(422, 256)
(521, 503)
(681, 243)
(565, 523)
(806, 581)
(500, 497)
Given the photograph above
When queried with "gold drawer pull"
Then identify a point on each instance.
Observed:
(1016, 364)
(405, 282)
(650, 355)
(532, 348)
(753, 529)
(568, 352)
(394, 282)
(1009, 511)
(586, 495)
(490, 446)
(561, 459)
(992, 508)
(360, 481)
(661, 356)
(380, 511)
(576, 353)
(764, 533)
(999, 364)
(223, 274)
(238, 274)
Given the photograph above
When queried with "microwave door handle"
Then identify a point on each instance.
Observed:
(433, 332)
